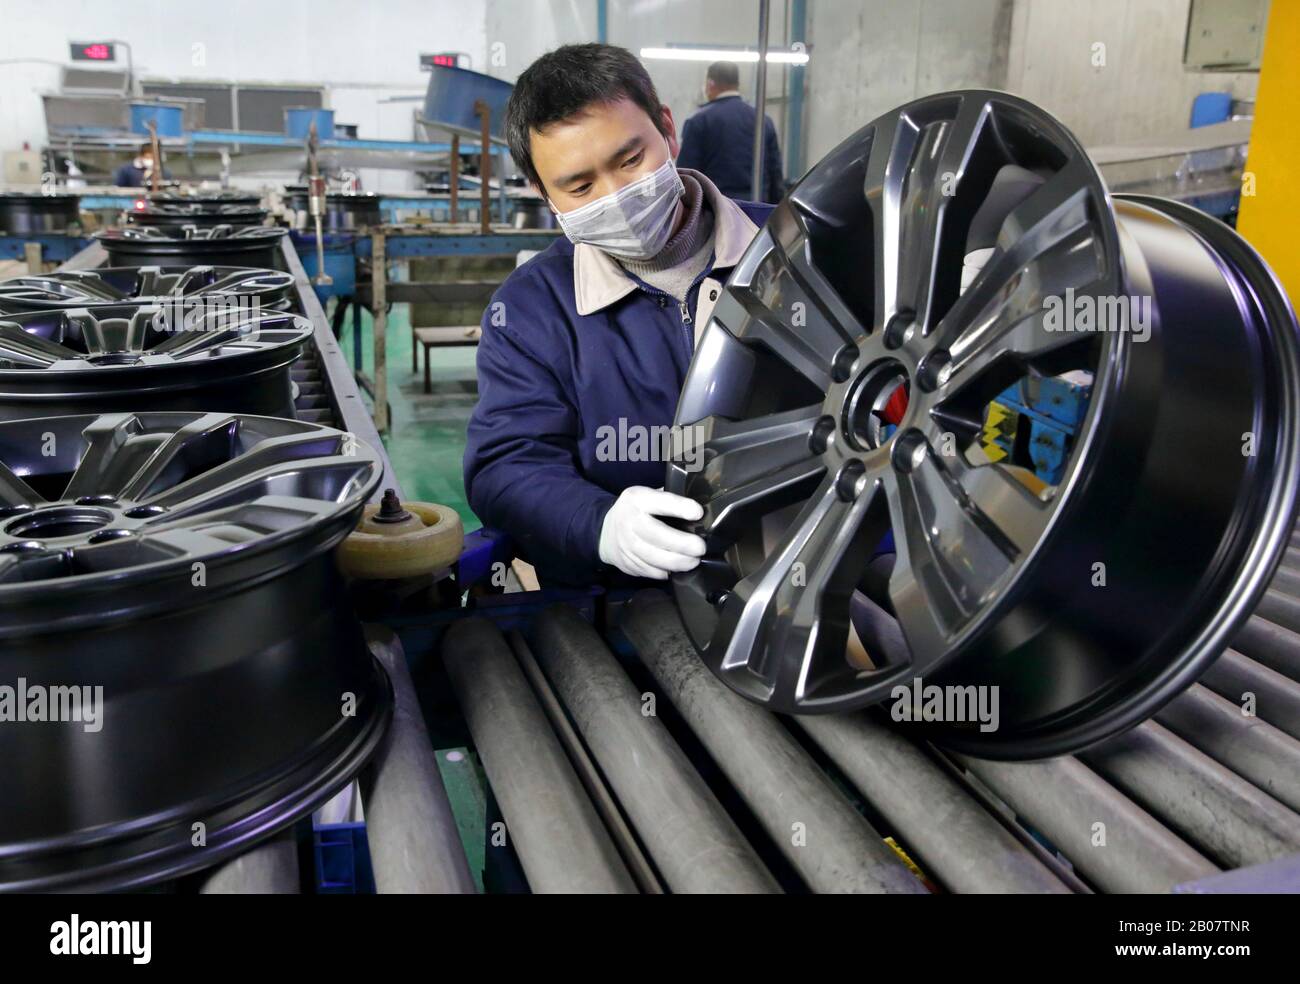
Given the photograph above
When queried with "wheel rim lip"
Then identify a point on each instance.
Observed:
(1259, 556)
(1111, 366)
(248, 353)
(275, 292)
(130, 863)
(267, 555)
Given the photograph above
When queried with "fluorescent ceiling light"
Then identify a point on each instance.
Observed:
(724, 54)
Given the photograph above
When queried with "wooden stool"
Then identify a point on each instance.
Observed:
(450, 337)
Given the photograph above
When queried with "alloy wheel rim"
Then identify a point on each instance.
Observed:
(800, 351)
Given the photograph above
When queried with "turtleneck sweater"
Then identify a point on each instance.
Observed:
(674, 268)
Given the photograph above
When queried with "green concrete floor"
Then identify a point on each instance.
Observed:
(426, 437)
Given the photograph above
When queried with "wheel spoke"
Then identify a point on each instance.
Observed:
(959, 530)
(786, 625)
(915, 168)
(147, 281)
(25, 349)
(14, 491)
(123, 458)
(755, 466)
(803, 327)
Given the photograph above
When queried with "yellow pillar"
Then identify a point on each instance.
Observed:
(1268, 217)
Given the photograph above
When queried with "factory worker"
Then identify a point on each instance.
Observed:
(585, 347)
(139, 172)
(719, 139)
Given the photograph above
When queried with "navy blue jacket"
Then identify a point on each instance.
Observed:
(573, 344)
(719, 141)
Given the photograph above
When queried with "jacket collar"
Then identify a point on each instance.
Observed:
(598, 280)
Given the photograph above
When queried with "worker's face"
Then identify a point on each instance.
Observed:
(600, 150)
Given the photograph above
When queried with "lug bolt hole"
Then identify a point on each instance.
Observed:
(842, 368)
(900, 329)
(823, 433)
(851, 480)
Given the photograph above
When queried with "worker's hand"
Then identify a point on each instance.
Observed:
(637, 543)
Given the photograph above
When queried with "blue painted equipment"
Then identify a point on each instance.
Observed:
(1052, 408)
(452, 93)
(298, 121)
(167, 119)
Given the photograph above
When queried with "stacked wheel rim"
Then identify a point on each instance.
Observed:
(182, 562)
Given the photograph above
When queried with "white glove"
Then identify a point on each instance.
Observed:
(637, 543)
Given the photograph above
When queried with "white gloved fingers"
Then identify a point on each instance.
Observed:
(657, 502)
(661, 559)
(660, 534)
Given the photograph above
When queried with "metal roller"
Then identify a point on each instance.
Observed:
(1064, 799)
(1286, 581)
(777, 778)
(271, 868)
(560, 840)
(1279, 607)
(1277, 699)
(602, 799)
(694, 843)
(1251, 747)
(1234, 822)
(956, 841)
(1270, 644)
(415, 848)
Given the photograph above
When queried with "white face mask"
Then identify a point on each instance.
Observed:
(634, 222)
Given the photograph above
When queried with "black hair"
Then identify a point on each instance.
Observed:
(725, 75)
(565, 81)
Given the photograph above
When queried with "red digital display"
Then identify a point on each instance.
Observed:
(443, 59)
(100, 51)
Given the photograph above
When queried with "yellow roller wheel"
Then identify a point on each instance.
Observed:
(402, 539)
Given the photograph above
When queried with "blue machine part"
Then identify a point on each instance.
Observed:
(298, 121)
(1053, 408)
(340, 263)
(168, 120)
(451, 96)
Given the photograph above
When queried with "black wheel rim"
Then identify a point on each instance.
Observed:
(124, 287)
(188, 245)
(150, 358)
(197, 214)
(991, 583)
(222, 700)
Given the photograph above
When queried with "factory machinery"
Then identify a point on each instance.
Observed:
(708, 737)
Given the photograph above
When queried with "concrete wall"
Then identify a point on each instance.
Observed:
(1141, 89)
(870, 56)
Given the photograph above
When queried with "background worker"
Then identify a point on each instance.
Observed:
(718, 141)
